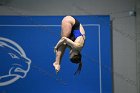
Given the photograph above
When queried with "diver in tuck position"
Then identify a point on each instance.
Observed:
(73, 37)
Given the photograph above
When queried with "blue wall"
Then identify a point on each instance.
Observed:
(37, 35)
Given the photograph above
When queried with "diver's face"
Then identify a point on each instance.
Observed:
(73, 52)
(74, 56)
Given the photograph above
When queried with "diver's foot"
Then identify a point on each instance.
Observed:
(56, 66)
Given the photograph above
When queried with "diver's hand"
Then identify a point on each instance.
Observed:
(60, 42)
(55, 49)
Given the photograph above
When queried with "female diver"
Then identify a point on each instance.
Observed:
(73, 37)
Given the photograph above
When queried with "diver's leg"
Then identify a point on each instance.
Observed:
(59, 55)
(66, 28)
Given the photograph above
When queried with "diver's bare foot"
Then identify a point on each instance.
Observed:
(56, 66)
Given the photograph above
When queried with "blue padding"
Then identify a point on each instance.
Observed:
(37, 36)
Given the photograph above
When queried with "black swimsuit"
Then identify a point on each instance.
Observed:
(75, 31)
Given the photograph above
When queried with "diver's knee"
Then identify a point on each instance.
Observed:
(67, 19)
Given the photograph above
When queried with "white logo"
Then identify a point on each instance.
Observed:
(13, 62)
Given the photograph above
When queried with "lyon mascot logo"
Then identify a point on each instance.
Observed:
(14, 63)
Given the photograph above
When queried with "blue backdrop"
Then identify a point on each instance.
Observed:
(27, 43)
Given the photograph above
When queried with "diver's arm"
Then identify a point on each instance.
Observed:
(65, 40)
(60, 42)
(70, 42)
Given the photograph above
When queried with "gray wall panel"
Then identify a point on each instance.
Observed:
(124, 37)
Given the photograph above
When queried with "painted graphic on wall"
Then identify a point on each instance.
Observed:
(14, 62)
